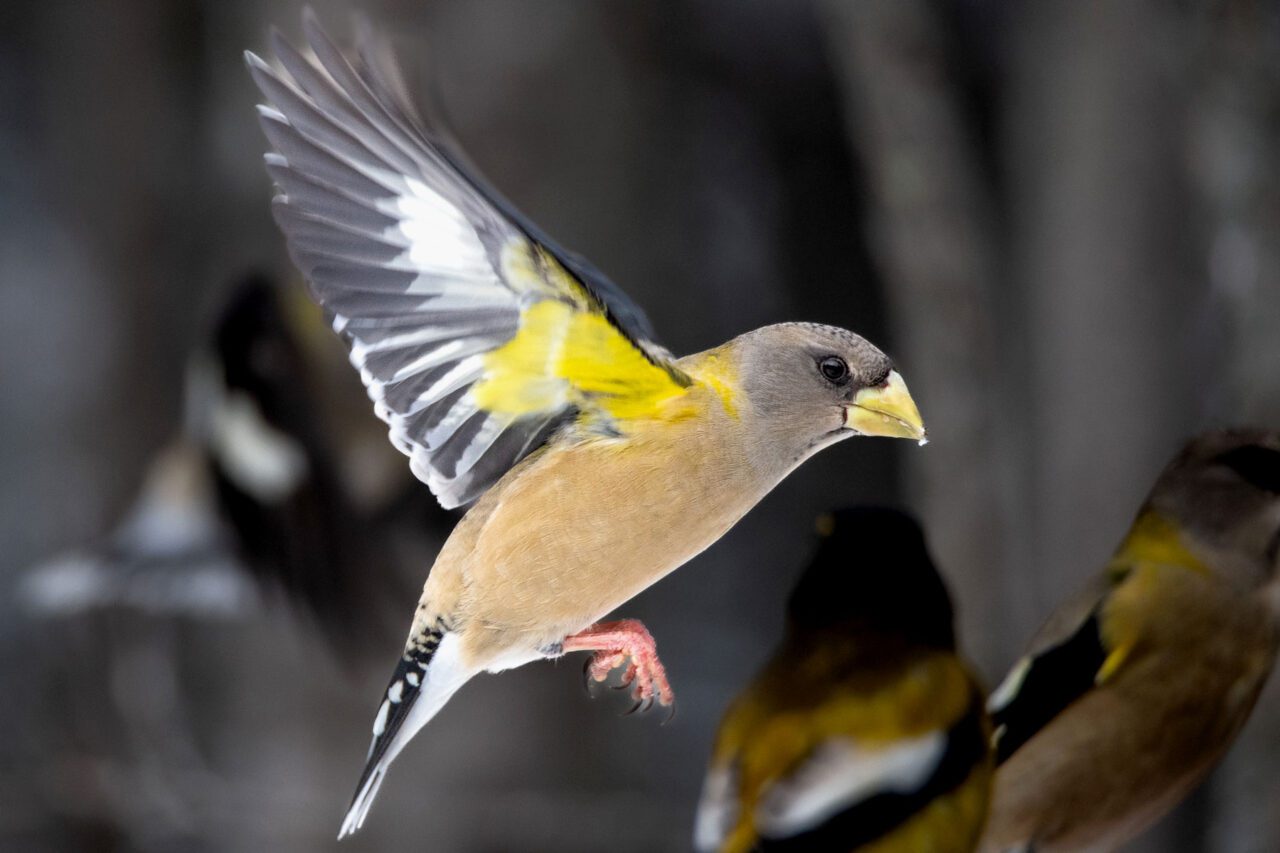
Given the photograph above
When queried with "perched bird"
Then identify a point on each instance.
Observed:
(1132, 692)
(515, 375)
(866, 731)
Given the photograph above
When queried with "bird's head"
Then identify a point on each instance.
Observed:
(817, 384)
(1221, 497)
(872, 575)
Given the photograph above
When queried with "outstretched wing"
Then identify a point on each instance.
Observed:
(475, 336)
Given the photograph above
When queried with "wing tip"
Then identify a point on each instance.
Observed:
(266, 112)
(309, 16)
(264, 75)
(315, 33)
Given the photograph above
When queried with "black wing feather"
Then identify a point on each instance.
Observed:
(1055, 678)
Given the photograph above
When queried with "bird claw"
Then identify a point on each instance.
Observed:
(626, 642)
(628, 677)
(587, 680)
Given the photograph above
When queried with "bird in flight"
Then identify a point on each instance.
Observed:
(515, 375)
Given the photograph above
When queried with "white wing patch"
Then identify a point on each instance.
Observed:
(1008, 689)
(842, 772)
(440, 238)
(717, 810)
(261, 460)
(412, 254)
(403, 252)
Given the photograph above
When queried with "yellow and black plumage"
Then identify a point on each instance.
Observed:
(866, 731)
(313, 499)
(270, 475)
(1134, 690)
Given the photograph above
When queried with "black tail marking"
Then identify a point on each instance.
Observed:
(402, 693)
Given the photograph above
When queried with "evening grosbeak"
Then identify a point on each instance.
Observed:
(514, 374)
(316, 502)
(865, 731)
(267, 478)
(1132, 692)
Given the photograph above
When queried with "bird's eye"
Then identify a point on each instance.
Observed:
(834, 369)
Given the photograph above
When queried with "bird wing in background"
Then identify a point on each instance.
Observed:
(1136, 688)
(170, 555)
(278, 484)
(252, 487)
(249, 487)
(474, 335)
(1064, 665)
(849, 769)
(840, 776)
(1084, 644)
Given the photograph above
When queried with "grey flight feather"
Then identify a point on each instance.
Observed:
(402, 243)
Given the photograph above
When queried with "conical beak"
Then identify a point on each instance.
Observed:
(887, 410)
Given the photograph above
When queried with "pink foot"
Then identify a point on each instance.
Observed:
(614, 643)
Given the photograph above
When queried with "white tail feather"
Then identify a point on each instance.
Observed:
(441, 679)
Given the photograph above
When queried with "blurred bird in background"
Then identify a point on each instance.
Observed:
(1133, 692)
(513, 372)
(866, 730)
(271, 488)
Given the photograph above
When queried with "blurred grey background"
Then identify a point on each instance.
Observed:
(1061, 218)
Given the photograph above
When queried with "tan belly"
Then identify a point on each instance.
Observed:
(586, 527)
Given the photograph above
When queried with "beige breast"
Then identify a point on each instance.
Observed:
(576, 530)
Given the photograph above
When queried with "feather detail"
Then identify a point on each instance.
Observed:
(471, 331)
(427, 675)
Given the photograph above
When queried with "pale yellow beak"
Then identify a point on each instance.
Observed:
(887, 410)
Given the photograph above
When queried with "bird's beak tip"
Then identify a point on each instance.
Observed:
(886, 410)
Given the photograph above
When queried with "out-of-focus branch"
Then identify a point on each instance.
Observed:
(1103, 254)
(932, 232)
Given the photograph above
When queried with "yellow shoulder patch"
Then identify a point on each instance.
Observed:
(567, 352)
(1139, 572)
(1123, 618)
(1154, 539)
(1112, 664)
